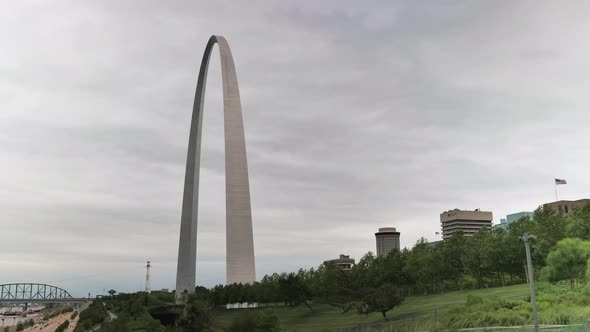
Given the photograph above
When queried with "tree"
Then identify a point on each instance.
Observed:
(112, 292)
(549, 228)
(330, 285)
(578, 225)
(294, 291)
(134, 307)
(452, 253)
(197, 315)
(381, 299)
(478, 259)
(203, 293)
(424, 266)
(567, 261)
(361, 272)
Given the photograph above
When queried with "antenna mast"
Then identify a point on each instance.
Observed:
(147, 278)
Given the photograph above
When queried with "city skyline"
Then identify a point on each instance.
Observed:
(358, 116)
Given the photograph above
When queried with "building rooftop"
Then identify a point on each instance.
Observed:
(579, 201)
(344, 262)
(457, 214)
(387, 230)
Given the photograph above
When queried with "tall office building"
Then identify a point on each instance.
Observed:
(468, 222)
(387, 240)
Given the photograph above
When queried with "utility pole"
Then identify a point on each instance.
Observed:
(526, 237)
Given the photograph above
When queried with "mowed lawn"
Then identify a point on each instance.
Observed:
(328, 318)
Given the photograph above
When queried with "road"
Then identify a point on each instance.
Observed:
(52, 324)
(47, 326)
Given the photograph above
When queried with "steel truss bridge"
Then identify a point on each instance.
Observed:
(35, 293)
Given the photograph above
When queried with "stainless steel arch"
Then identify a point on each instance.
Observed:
(32, 292)
(239, 238)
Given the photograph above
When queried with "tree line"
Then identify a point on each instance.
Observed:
(490, 258)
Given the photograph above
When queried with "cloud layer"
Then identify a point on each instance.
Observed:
(357, 116)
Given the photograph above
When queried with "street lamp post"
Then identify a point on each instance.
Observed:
(526, 237)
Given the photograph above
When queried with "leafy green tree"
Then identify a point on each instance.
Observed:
(578, 225)
(112, 292)
(513, 247)
(476, 258)
(423, 266)
(496, 254)
(362, 273)
(452, 253)
(135, 307)
(197, 315)
(203, 294)
(393, 268)
(294, 291)
(568, 261)
(331, 285)
(382, 300)
(549, 228)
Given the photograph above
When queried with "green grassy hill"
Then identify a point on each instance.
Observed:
(417, 312)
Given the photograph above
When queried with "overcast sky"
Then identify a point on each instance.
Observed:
(358, 115)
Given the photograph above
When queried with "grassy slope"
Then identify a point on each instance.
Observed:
(326, 317)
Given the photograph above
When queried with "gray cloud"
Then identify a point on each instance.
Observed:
(357, 116)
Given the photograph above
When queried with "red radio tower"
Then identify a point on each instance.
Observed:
(147, 278)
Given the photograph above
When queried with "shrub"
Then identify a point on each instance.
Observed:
(117, 325)
(557, 304)
(23, 325)
(63, 326)
(67, 309)
(93, 315)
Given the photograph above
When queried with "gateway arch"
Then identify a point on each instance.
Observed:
(240, 264)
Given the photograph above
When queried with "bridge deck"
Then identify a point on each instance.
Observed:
(23, 301)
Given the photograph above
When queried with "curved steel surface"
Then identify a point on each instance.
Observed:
(32, 291)
(239, 238)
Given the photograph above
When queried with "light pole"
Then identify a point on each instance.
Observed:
(526, 237)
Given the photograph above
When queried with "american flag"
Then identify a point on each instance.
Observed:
(560, 181)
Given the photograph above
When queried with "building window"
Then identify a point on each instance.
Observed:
(566, 211)
(559, 208)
